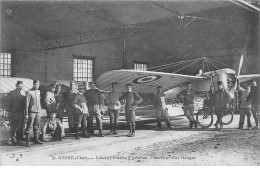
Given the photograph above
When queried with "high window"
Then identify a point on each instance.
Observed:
(140, 66)
(5, 65)
(82, 69)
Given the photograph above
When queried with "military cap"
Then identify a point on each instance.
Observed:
(53, 84)
(252, 80)
(159, 87)
(19, 82)
(36, 81)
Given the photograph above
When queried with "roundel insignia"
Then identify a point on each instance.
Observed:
(146, 79)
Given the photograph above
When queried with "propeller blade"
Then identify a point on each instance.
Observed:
(240, 65)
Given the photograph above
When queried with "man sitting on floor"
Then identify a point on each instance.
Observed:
(52, 129)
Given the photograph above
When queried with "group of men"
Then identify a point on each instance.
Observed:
(83, 105)
(220, 100)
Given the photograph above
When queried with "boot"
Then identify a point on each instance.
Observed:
(191, 124)
(115, 128)
(133, 129)
(240, 126)
(132, 134)
(85, 135)
(196, 125)
(77, 133)
(36, 139)
(256, 124)
(27, 141)
(168, 124)
(159, 124)
(101, 134)
(130, 126)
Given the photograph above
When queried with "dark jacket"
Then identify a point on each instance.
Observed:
(221, 98)
(93, 97)
(158, 100)
(59, 97)
(132, 100)
(69, 96)
(16, 102)
(188, 97)
(254, 95)
(80, 101)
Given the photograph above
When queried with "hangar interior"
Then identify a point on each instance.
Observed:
(79, 40)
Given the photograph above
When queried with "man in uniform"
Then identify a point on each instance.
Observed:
(16, 102)
(81, 111)
(160, 107)
(33, 113)
(220, 103)
(132, 99)
(68, 97)
(113, 108)
(254, 97)
(94, 102)
(244, 108)
(50, 101)
(60, 102)
(188, 104)
(53, 128)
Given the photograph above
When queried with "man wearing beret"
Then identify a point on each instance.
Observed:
(255, 101)
(16, 107)
(132, 99)
(81, 111)
(220, 103)
(33, 113)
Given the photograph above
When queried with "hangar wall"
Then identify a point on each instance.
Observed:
(57, 64)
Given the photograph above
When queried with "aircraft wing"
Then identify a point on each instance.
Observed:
(143, 81)
(244, 78)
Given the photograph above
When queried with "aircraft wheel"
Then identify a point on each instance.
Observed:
(204, 117)
(228, 116)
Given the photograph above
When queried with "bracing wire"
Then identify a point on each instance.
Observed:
(172, 64)
(187, 65)
(214, 65)
(219, 62)
(208, 65)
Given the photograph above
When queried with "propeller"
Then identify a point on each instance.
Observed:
(240, 65)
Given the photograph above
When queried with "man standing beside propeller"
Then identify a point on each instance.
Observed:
(255, 104)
